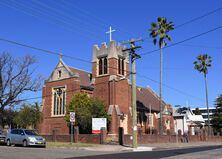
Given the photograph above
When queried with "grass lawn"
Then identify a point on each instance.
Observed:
(67, 145)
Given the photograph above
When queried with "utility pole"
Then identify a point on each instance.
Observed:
(150, 120)
(133, 56)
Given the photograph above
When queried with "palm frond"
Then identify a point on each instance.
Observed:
(203, 63)
(160, 30)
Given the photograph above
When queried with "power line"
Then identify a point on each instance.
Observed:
(182, 41)
(193, 20)
(197, 18)
(43, 50)
(202, 46)
(74, 58)
(50, 95)
(66, 17)
(53, 53)
(35, 11)
(143, 76)
(170, 87)
(100, 20)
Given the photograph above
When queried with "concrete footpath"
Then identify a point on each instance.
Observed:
(150, 147)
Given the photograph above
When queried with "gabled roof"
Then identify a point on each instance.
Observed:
(146, 97)
(68, 72)
(85, 77)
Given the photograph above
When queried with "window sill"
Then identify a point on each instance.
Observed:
(120, 75)
(103, 75)
(57, 116)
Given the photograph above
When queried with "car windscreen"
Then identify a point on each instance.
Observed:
(31, 132)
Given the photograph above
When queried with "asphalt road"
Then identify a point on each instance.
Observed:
(43, 153)
(213, 152)
(176, 153)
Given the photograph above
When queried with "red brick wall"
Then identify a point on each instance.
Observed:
(56, 123)
(102, 89)
(123, 99)
(83, 138)
(147, 139)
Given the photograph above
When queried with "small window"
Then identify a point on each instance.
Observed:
(105, 65)
(59, 74)
(100, 66)
(121, 66)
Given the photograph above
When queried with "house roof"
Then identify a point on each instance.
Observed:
(84, 76)
(147, 97)
(188, 114)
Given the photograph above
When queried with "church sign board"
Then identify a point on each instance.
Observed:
(97, 124)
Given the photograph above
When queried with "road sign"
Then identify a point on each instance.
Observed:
(72, 117)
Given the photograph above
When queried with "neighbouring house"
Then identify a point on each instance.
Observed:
(109, 81)
(185, 120)
(203, 111)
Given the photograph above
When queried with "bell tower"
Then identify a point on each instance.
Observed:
(109, 60)
(110, 77)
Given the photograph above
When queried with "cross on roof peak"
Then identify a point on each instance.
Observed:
(60, 56)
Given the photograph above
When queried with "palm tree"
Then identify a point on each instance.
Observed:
(201, 65)
(159, 31)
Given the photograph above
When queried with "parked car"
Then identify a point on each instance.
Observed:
(25, 138)
(2, 137)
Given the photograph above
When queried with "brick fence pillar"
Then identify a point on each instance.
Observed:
(54, 135)
(76, 134)
(102, 135)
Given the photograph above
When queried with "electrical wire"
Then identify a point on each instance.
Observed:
(182, 41)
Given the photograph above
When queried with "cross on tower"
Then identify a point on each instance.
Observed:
(60, 56)
(110, 33)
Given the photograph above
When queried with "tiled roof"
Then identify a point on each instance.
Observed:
(147, 97)
(83, 75)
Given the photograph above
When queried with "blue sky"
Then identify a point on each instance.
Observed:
(72, 27)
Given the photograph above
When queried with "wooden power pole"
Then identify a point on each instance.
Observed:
(133, 56)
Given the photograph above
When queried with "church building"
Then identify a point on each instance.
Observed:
(110, 82)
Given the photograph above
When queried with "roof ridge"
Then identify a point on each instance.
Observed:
(79, 69)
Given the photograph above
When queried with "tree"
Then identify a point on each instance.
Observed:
(15, 79)
(28, 116)
(7, 118)
(218, 103)
(197, 111)
(159, 31)
(201, 65)
(216, 121)
(86, 108)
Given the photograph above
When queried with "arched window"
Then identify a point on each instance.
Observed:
(59, 101)
(103, 65)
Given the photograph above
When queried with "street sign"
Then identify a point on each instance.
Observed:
(97, 124)
(72, 117)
